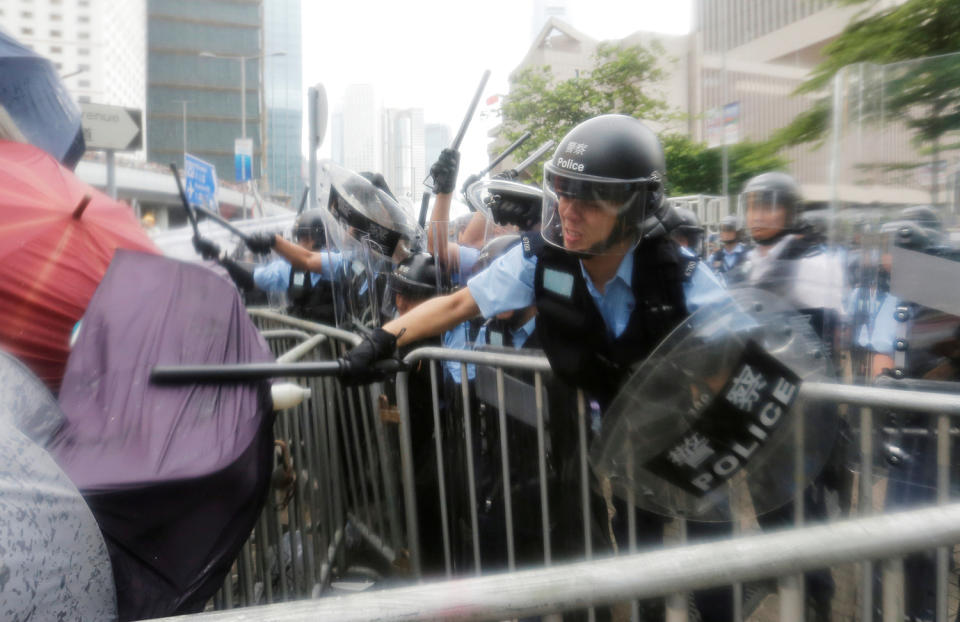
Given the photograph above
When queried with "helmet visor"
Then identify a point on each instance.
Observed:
(767, 213)
(592, 216)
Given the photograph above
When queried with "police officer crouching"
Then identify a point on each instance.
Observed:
(608, 283)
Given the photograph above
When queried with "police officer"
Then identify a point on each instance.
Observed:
(732, 253)
(310, 294)
(688, 233)
(608, 282)
(798, 269)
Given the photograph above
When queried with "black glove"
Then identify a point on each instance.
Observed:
(444, 171)
(508, 174)
(523, 213)
(261, 243)
(206, 248)
(357, 365)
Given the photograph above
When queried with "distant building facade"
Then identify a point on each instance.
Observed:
(284, 95)
(177, 33)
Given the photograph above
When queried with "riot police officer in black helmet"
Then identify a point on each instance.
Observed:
(309, 294)
(689, 232)
(608, 282)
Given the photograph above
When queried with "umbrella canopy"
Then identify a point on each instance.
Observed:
(55, 559)
(176, 476)
(57, 236)
(35, 106)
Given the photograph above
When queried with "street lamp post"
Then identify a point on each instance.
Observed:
(183, 103)
(243, 92)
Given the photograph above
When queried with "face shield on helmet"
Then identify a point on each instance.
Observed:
(767, 213)
(309, 230)
(590, 215)
(370, 231)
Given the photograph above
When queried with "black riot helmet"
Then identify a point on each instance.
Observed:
(415, 277)
(688, 226)
(729, 223)
(310, 225)
(493, 249)
(613, 163)
(772, 190)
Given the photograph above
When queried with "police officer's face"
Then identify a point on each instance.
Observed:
(728, 236)
(765, 219)
(586, 224)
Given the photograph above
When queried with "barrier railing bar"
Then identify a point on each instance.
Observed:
(406, 463)
(313, 327)
(299, 351)
(866, 508)
(943, 498)
(362, 470)
(645, 575)
(352, 497)
(542, 465)
(263, 562)
(285, 333)
(387, 472)
(378, 505)
(375, 541)
(494, 359)
(505, 468)
(632, 521)
(879, 397)
(584, 484)
(894, 608)
(471, 475)
(441, 474)
(677, 605)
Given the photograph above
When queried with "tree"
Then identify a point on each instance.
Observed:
(620, 81)
(692, 168)
(925, 96)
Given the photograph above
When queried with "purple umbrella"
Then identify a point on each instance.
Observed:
(176, 475)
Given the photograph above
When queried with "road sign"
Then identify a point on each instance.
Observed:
(243, 158)
(201, 186)
(111, 127)
(723, 125)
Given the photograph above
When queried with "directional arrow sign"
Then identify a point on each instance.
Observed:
(112, 127)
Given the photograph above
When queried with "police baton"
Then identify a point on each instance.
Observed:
(425, 201)
(500, 158)
(220, 220)
(531, 159)
(250, 372)
(303, 199)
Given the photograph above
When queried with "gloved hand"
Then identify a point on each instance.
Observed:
(444, 171)
(508, 174)
(506, 210)
(261, 243)
(206, 248)
(357, 365)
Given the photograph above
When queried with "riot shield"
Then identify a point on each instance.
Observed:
(369, 232)
(713, 414)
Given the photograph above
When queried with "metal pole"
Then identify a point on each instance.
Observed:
(111, 174)
(243, 96)
(312, 110)
(723, 103)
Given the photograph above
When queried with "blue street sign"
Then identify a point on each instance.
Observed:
(243, 158)
(201, 182)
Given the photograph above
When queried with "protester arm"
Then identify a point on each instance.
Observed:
(434, 317)
(299, 257)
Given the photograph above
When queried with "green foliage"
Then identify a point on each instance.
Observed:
(692, 168)
(913, 30)
(620, 81)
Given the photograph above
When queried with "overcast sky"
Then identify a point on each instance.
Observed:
(432, 53)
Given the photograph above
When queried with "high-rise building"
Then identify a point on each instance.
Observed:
(361, 132)
(403, 155)
(177, 34)
(98, 46)
(436, 138)
(284, 97)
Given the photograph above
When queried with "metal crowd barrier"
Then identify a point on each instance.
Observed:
(334, 477)
(344, 457)
(639, 576)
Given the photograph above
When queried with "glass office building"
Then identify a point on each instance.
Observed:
(178, 31)
(285, 96)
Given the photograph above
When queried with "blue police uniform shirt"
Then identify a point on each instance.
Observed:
(518, 336)
(507, 284)
(275, 276)
(457, 338)
(729, 258)
(884, 331)
(468, 259)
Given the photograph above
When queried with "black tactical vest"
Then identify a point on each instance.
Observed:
(572, 331)
(310, 301)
